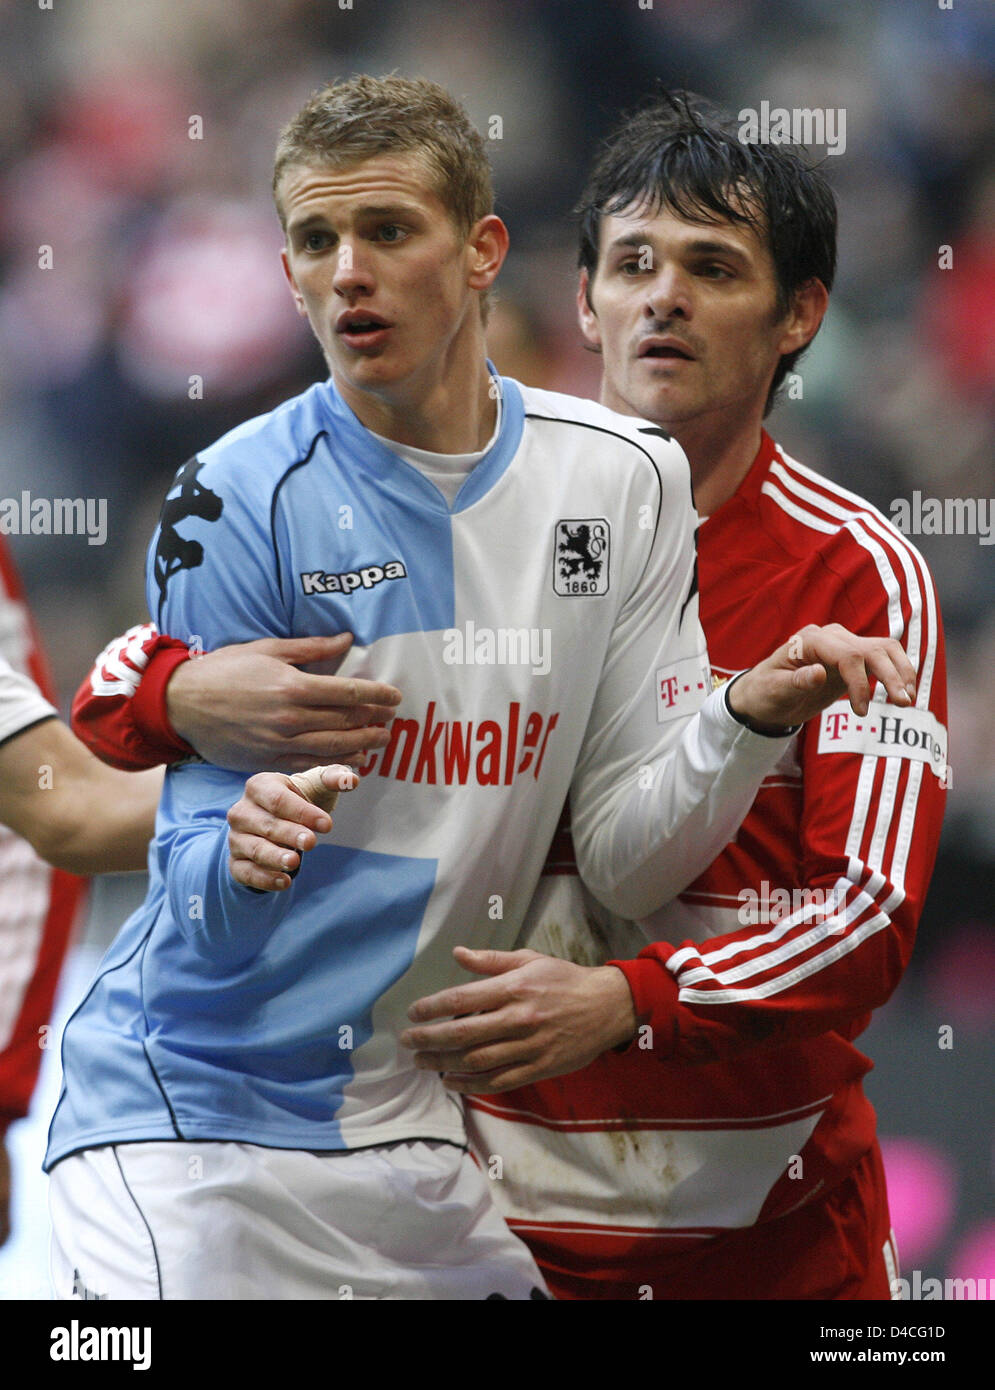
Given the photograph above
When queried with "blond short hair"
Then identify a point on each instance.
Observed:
(357, 119)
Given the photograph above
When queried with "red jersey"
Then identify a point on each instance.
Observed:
(740, 1100)
(39, 903)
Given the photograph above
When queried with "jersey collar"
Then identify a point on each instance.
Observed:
(402, 477)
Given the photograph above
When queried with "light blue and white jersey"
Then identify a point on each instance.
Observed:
(544, 632)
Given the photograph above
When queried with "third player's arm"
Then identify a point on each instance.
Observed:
(77, 813)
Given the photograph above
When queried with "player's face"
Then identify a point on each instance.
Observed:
(685, 315)
(375, 260)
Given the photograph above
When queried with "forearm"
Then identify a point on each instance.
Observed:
(99, 824)
(822, 968)
(77, 814)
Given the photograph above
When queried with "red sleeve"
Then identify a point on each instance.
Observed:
(119, 711)
(874, 790)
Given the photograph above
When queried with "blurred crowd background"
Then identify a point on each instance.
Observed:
(164, 266)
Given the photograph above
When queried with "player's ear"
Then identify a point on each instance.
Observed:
(808, 306)
(298, 297)
(586, 316)
(487, 246)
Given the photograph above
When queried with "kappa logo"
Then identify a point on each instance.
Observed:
(172, 551)
(347, 581)
(581, 557)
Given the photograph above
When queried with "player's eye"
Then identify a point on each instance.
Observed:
(391, 232)
(316, 241)
(713, 271)
(629, 267)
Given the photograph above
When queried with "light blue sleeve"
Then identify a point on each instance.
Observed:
(211, 580)
(211, 574)
(215, 915)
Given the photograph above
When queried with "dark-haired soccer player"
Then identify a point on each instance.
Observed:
(730, 1152)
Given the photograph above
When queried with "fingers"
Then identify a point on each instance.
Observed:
(322, 785)
(302, 651)
(273, 793)
(273, 825)
(324, 692)
(257, 863)
(853, 673)
(262, 880)
(894, 670)
(852, 663)
(883, 659)
(346, 748)
(278, 834)
(486, 962)
(474, 1062)
(264, 851)
(338, 778)
(459, 1040)
(306, 719)
(507, 1078)
(460, 999)
(370, 701)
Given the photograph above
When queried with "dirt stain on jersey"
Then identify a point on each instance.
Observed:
(653, 1153)
(568, 944)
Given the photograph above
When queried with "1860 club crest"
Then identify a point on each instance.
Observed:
(581, 557)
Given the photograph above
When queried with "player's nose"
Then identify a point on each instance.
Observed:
(353, 273)
(668, 293)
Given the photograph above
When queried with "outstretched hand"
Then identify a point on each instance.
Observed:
(816, 667)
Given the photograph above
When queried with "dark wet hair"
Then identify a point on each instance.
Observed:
(681, 152)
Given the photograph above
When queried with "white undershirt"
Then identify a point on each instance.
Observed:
(447, 471)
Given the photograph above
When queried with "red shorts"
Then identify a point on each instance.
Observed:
(830, 1249)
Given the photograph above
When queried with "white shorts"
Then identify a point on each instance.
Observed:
(219, 1220)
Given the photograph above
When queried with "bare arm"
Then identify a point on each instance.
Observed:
(77, 813)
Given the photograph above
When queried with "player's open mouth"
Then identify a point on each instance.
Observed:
(361, 330)
(665, 349)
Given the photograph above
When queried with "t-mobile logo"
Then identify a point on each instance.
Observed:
(681, 689)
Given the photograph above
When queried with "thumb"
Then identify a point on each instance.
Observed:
(491, 962)
(337, 777)
(809, 677)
